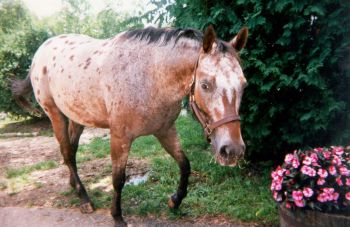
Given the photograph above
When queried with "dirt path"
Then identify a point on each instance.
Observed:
(49, 217)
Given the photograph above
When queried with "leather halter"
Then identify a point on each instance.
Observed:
(208, 126)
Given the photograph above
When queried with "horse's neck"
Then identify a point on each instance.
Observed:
(177, 76)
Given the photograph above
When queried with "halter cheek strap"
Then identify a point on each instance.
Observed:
(208, 127)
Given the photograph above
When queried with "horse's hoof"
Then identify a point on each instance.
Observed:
(173, 202)
(120, 223)
(86, 208)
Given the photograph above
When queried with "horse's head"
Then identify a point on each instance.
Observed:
(218, 90)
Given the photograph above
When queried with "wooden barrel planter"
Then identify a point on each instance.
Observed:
(308, 218)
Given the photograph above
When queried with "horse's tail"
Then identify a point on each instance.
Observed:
(21, 88)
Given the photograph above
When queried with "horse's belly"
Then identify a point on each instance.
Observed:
(83, 106)
(85, 113)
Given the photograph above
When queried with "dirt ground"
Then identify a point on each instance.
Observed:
(33, 201)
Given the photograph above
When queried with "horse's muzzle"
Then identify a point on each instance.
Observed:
(230, 154)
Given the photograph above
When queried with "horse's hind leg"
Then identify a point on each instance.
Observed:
(74, 132)
(68, 146)
(170, 142)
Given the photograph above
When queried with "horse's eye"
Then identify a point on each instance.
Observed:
(205, 86)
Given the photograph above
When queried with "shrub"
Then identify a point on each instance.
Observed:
(294, 62)
(15, 58)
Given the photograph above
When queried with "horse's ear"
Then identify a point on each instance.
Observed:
(209, 38)
(239, 41)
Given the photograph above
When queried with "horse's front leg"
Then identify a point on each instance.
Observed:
(120, 146)
(170, 141)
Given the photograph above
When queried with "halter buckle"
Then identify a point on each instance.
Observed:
(208, 130)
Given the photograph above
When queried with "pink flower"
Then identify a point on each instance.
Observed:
(323, 197)
(276, 184)
(322, 173)
(335, 196)
(338, 150)
(336, 161)
(347, 196)
(332, 170)
(289, 158)
(344, 171)
(320, 181)
(347, 181)
(295, 163)
(280, 171)
(287, 172)
(318, 149)
(288, 205)
(277, 196)
(331, 194)
(314, 159)
(327, 154)
(299, 203)
(308, 192)
(307, 160)
(308, 171)
(328, 190)
(297, 195)
(339, 181)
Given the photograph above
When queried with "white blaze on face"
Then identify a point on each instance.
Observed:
(229, 82)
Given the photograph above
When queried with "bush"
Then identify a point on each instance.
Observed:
(15, 58)
(19, 40)
(295, 64)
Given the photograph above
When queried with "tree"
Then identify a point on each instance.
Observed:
(19, 40)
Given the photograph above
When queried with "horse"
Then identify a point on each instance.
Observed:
(134, 84)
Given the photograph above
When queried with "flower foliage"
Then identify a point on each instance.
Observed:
(317, 179)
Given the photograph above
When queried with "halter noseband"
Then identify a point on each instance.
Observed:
(207, 126)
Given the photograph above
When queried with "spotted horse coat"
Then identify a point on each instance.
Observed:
(133, 84)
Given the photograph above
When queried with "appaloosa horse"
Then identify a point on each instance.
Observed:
(133, 84)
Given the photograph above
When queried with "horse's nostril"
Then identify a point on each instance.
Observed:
(224, 152)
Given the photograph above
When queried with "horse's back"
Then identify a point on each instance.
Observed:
(67, 72)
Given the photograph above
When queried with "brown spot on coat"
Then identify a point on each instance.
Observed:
(109, 88)
(62, 70)
(54, 58)
(88, 62)
(87, 65)
(95, 52)
(105, 44)
(71, 57)
(38, 92)
(44, 70)
(69, 76)
(63, 36)
(71, 43)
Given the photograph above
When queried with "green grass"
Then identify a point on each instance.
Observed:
(237, 193)
(16, 172)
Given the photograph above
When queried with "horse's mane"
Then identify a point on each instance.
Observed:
(164, 36)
